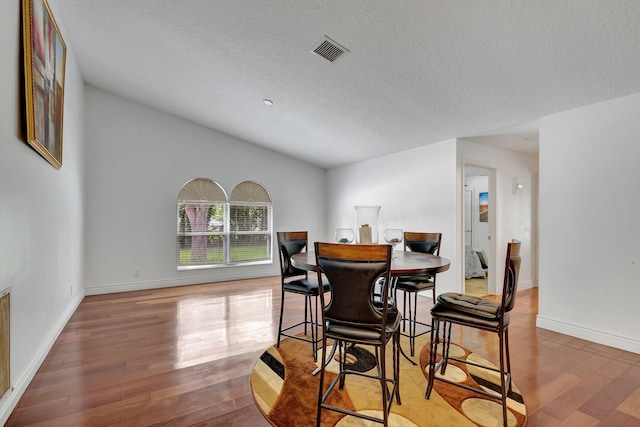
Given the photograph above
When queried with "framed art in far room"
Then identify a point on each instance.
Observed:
(44, 66)
(483, 206)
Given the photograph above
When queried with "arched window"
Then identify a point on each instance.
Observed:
(213, 232)
(250, 222)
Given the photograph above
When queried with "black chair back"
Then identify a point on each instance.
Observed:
(289, 244)
(428, 243)
(352, 272)
(511, 273)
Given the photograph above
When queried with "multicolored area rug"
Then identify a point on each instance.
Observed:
(286, 392)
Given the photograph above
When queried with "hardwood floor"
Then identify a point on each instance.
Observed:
(182, 356)
(476, 286)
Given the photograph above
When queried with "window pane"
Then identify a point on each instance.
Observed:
(206, 217)
(200, 233)
(250, 247)
(251, 218)
(195, 250)
(250, 238)
(215, 218)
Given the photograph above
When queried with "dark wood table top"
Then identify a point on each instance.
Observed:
(407, 264)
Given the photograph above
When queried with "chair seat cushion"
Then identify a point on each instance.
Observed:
(476, 306)
(304, 286)
(341, 331)
(415, 283)
(352, 333)
(444, 313)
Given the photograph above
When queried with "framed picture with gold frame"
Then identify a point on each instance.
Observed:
(44, 65)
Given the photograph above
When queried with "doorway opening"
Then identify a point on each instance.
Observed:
(479, 226)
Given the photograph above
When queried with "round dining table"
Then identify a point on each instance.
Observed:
(404, 263)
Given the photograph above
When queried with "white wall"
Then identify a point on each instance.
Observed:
(41, 215)
(515, 214)
(138, 158)
(589, 228)
(417, 192)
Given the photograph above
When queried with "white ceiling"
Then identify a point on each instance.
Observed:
(417, 72)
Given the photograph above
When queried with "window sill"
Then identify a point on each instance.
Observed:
(209, 266)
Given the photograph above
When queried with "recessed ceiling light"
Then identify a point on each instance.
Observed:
(267, 101)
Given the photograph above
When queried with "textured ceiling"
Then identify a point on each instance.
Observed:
(417, 72)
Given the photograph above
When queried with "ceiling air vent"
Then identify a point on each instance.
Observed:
(329, 49)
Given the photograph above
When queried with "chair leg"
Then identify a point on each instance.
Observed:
(503, 385)
(387, 394)
(413, 310)
(382, 362)
(321, 386)
(280, 322)
(404, 311)
(342, 357)
(433, 347)
(378, 363)
(395, 296)
(410, 300)
(396, 367)
(506, 345)
(306, 307)
(446, 345)
(310, 322)
(314, 327)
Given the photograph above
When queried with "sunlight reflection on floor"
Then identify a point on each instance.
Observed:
(238, 324)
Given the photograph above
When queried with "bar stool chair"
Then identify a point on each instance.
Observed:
(296, 281)
(350, 317)
(410, 285)
(479, 313)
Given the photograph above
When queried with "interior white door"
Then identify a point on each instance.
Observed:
(468, 217)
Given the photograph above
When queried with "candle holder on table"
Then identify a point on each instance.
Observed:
(393, 236)
(345, 235)
(367, 224)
